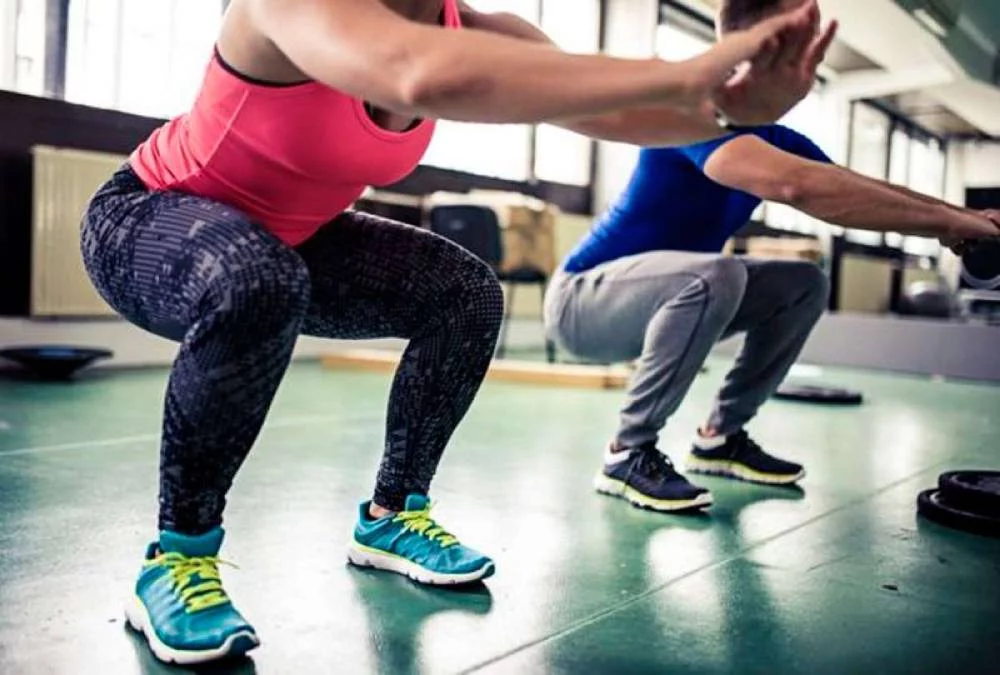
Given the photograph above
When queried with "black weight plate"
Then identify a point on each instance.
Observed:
(981, 264)
(976, 491)
(54, 362)
(813, 394)
(932, 506)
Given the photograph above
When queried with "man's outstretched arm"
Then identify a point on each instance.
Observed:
(837, 195)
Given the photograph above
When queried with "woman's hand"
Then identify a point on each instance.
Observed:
(769, 88)
(757, 75)
(367, 51)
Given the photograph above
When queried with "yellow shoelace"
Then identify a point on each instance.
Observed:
(422, 523)
(196, 580)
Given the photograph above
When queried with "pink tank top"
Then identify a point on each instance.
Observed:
(290, 157)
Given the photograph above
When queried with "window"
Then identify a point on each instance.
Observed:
(899, 172)
(562, 156)
(927, 166)
(925, 175)
(869, 142)
(506, 151)
(825, 123)
(673, 42)
(899, 158)
(139, 56)
(676, 44)
(526, 9)
(22, 46)
(501, 151)
(917, 164)
(869, 155)
(893, 151)
(149, 57)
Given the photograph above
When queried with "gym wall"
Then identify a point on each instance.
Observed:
(28, 121)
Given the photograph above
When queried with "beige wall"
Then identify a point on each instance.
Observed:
(866, 284)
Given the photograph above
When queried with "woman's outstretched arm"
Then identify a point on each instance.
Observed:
(364, 49)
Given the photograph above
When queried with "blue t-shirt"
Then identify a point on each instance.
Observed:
(670, 204)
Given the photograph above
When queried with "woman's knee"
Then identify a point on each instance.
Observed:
(486, 298)
(477, 295)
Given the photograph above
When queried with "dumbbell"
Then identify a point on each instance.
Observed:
(981, 264)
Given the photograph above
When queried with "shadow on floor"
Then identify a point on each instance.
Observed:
(397, 609)
(149, 665)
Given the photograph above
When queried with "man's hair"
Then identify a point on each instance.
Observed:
(742, 14)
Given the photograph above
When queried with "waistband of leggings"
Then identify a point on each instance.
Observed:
(125, 176)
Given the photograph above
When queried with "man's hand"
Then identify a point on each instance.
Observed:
(777, 79)
(956, 246)
(960, 246)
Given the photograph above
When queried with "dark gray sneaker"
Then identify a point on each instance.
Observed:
(648, 479)
(743, 459)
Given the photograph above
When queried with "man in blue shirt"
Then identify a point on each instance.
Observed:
(649, 284)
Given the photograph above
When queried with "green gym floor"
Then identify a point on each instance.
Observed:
(840, 577)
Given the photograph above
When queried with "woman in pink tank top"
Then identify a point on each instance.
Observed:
(228, 231)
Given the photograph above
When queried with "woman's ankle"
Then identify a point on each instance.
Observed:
(376, 511)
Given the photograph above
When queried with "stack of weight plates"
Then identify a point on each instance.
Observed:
(964, 500)
(981, 264)
(807, 393)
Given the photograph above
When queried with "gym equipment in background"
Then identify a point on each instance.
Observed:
(964, 500)
(933, 505)
(975, 491)
(931, 299)
(477, 229)
(979, 297)
(981, 264)
(982, 306)
(806, 393)
(54, 363)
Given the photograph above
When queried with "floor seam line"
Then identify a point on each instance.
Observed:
(125, 440)
(594, 618)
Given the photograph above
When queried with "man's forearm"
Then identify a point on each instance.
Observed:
(845, 198)
(912, 194)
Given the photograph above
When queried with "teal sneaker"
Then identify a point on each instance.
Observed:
(412, 544)
(180, 605)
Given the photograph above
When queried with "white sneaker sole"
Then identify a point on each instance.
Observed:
(235, 645)
(363, 556)
(616, 488)
(728, 469)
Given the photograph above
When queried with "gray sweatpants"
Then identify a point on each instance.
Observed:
(667, 309)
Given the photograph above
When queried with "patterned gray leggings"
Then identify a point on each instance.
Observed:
(198, 272)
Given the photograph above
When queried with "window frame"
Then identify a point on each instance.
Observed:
(8, 35)
(571, 198)
(529, 170)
